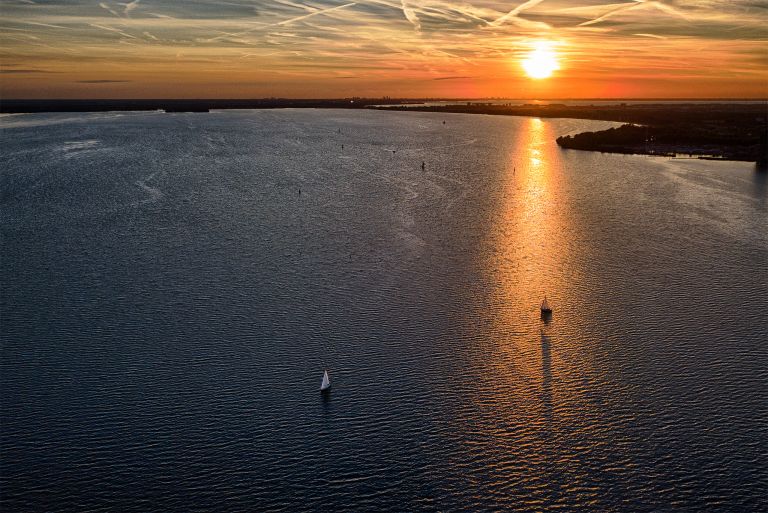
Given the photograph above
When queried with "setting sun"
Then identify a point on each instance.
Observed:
(541, 61)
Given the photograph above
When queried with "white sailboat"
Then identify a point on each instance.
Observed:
(326, 384)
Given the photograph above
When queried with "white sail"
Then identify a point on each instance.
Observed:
(326, 384)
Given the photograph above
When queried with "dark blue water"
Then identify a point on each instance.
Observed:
(174, 285)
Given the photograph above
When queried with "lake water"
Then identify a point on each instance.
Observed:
(173, 286)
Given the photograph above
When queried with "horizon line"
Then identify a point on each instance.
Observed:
(397, 98)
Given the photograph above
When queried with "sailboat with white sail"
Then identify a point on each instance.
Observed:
(326, 383)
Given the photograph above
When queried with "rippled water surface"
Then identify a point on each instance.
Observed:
(174, 284)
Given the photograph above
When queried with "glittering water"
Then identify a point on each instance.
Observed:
(174, 285)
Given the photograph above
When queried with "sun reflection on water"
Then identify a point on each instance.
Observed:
(529, 373)
(533, 220)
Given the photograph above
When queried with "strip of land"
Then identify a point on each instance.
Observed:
(196, 105)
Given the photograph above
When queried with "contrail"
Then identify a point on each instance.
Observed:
(43, 24)
(112, 29)
(105, 6)
(131, 6)
(625, 7)
(514, 12)
(315, 13)
(637, 4)
(284, 22)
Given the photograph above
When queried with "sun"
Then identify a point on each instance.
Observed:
(541, 61)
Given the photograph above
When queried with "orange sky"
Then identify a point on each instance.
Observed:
(399, 48)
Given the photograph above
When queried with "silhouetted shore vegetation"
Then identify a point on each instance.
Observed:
(672, 140)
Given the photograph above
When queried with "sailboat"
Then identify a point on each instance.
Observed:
(545, 309)
(326, 384)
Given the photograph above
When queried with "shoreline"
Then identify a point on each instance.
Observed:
(716, 131)
(719, 130)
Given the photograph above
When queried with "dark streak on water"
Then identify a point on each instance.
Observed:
(169, 301)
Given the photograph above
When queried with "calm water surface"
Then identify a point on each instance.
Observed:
(174, 285)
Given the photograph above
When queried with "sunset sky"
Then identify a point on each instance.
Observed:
(399, 48)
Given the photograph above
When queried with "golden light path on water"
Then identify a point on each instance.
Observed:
(535, 374)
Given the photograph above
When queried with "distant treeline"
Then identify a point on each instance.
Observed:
(203, 105)
(639, 113)
(703, 140)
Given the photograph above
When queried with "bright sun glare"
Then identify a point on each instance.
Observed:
(541, 61)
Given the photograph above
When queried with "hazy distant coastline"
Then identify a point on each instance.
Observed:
(171, 105)
(598, 108)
